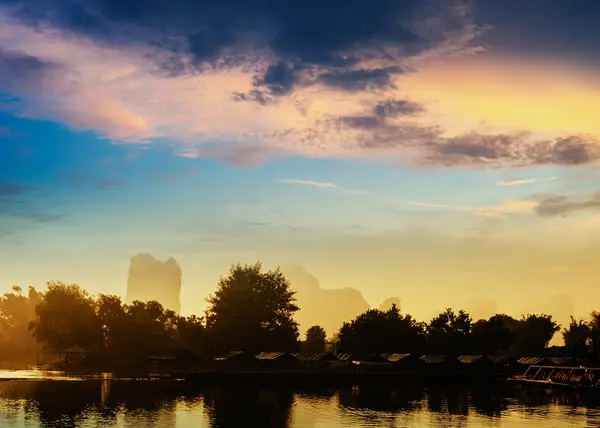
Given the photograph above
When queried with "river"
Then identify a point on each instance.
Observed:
(40, 399)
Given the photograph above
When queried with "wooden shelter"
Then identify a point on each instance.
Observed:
(235, 360)
(439, 364)
(405, 362)
(316, 360)
(277, 361)
(504, 363)
(476, 364)
(168, 361)
(75, 355)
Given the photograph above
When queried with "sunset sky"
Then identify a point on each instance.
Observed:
(441, 151)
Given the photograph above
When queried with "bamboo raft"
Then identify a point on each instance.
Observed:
(573, 377)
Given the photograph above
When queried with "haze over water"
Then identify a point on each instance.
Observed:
(46, 402)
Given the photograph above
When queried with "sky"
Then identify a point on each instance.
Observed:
(441, 151)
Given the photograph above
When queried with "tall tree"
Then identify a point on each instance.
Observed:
(316, 339)
(253, 311)
(576, 337)
(595, 335)
(533, 333)
(450, 332)
(493, 336)
(112, 316)
(16, 342)
(376, 331)
(66, 316)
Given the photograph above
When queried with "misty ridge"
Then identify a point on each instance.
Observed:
(257, 310)
(150, 279)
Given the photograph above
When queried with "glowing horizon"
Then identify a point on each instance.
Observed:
(445, 146)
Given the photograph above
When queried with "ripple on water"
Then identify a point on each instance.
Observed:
(105, 401)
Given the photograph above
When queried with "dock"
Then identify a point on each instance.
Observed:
(560, 376)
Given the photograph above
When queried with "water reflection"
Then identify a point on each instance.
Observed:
(245, 405)
(119, 403)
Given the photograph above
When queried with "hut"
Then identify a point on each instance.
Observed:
(405, 363)
(169, 361)
(276, 361)
(235, 361)
(439, 364)
(504, 363)
(371, 362)
(476, 365)
(535, 361)
(75, 355)
(316, 360)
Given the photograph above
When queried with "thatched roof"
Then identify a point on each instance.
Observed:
(536, 361)
(271, 355)
(395, 358)
(316, 356)
(434, 358)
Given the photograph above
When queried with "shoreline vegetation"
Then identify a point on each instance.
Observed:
(252, 312)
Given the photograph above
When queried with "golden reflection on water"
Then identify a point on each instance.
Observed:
(41, 399)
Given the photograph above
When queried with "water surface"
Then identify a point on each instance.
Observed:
(35, 399)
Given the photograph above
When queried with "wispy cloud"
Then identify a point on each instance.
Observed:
(321, 184)
(77, 178)
(505, 207)
(562, 205)
(13, 189)
(519, 181)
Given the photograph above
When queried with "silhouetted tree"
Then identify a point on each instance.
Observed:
(377, 332)
(533, 333)
(252, 311)
(112, 315)
(151, 327)
(595, 335)
(450, 333)
(16, 342)
(192, 334)
(315, 339)
(576, 337)
(66, 316)
(493, 336)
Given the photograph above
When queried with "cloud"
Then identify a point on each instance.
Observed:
(395, 108)
(13, 189)
(17, 202)
(200, 63)
(560, 27)
(500, 210)
(40, 217)
(361, 80)
(245, 80)
(515, 149)
(75, 178)
(23, 71)
(519, 181)
(321, 184)
(560, 205)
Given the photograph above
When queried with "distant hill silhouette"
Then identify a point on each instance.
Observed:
(152, 279)
(329, 308)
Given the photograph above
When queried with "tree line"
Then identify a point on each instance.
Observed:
(253, 310)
